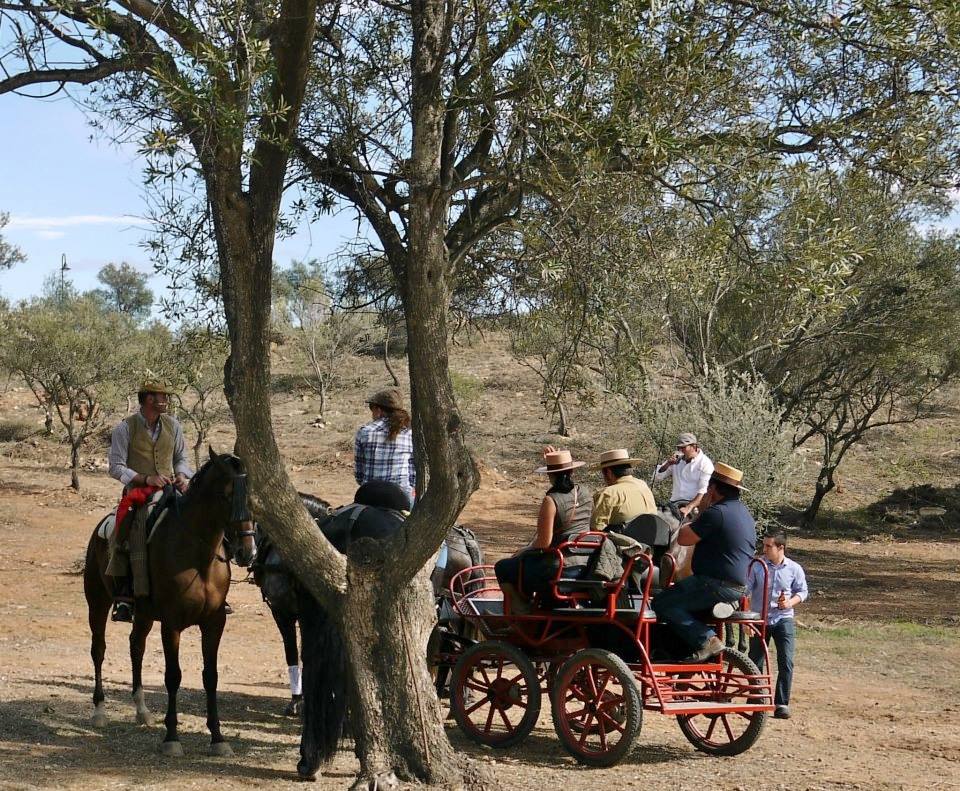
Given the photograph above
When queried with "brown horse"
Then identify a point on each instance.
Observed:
(189, 579)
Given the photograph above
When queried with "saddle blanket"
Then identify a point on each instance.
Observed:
(109, 523)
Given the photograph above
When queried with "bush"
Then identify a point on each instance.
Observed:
(466, 388)
(737, 422)
(16, 430)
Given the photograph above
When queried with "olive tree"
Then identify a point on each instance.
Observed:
(75, 359)
(9, 254)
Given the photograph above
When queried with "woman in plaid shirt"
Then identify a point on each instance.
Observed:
(383, 449)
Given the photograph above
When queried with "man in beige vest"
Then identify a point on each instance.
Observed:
(624, 497)
(146, 449)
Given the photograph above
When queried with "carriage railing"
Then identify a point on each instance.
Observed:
(612, 588)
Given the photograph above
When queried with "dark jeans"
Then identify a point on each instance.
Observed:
(676, 605)
(784, 638)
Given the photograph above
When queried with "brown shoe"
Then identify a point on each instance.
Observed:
(708, 650)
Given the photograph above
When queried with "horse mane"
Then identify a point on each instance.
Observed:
(316, 506)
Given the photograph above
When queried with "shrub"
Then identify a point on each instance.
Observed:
(737, 422)
(16, 430)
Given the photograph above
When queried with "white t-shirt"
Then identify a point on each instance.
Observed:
(690, 478)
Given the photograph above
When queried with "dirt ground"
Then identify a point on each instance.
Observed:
(876, 692)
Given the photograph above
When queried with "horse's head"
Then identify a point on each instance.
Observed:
(224, 479)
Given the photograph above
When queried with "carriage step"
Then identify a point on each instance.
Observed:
(708, 707)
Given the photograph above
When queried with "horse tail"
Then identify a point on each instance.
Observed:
(324, 686)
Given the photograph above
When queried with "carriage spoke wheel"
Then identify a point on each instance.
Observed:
(725, 733)
(495, 694)
(596, 707)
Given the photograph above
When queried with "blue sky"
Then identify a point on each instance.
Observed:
(68, 192)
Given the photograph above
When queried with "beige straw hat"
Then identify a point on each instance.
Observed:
(558, 461)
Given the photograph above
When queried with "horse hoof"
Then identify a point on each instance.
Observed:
(221, 750)
(145, 718)
(294, 708)
(171, 749)
(99, 720)
(306, 771)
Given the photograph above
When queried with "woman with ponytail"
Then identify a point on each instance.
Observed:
(383, 449)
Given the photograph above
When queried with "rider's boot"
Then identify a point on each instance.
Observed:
(122, 600)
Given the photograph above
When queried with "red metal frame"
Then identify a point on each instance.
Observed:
(548, 636)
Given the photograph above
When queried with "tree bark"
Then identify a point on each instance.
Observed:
(74, 466)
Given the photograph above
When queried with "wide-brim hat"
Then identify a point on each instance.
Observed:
(617, 457)
(388, 398)
(558, 461)
(731, 476)
(155, 386)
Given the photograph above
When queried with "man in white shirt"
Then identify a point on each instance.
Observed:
(690, 469)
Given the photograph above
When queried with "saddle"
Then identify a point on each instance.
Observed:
(156, 510)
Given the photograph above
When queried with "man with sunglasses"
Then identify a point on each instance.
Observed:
(690, 469)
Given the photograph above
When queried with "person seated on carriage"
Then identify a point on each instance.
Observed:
(564, 513)
(147, 452)
(724, 538)
(690, 468)
(624, 497)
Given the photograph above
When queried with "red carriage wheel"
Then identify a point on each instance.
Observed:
(725, 732)
(596, 707)
(495, 694)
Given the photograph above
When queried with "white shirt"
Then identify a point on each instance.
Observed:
(690, 478)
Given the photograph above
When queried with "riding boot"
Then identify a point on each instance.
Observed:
(122, 600)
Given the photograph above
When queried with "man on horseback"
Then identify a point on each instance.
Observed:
(147, 453)
(690, 468)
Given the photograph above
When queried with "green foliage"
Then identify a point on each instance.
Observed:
(736, 421)
(466, 388)
(125, 290)
(75, 358)
(9, 254)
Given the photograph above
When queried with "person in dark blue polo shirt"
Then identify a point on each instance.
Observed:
(725, 539)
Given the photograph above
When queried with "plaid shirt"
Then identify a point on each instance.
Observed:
(378, 458)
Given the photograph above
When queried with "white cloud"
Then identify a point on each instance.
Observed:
(51, 234)
(72, 220)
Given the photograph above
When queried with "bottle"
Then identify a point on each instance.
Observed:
(782, 600)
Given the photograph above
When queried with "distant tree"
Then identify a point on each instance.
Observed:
(58, 289)
(197, 356)
(126, 290)
(9, 255)
(324, 333)
(76, 359)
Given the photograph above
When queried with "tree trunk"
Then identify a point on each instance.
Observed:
(562, 429)
(396, 717)
(386, 355)
(197, 446)
(74, 465)
(825, 484)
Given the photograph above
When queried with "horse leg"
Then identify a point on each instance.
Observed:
(287, 624)
(210, 632)
(138, 643)
(98, 608)
(172, 676)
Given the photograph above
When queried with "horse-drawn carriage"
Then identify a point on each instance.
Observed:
(599, 655)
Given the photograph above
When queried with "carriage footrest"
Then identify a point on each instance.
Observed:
(747, 615)
(599, 612)
(711, 707)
